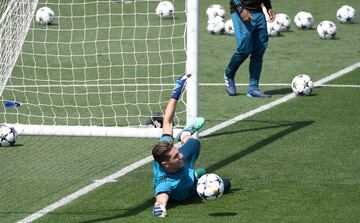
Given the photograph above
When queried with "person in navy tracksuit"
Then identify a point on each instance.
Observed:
(252, 39)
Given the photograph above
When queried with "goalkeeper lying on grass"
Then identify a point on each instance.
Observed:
(174, 175)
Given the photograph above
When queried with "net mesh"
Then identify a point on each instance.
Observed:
(101, 63)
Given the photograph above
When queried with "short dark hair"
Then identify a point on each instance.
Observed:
(161, 151)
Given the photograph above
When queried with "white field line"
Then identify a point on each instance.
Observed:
(341, 85)
(171, 85)
(113, 177)
(282, 84)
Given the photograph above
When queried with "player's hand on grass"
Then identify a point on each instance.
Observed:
(179, 87)
(159, 210)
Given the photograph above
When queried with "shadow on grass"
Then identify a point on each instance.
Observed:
(280, 91)
(223, 214)
(12, 147)
(291, 127)
(271, 125)
(126, 212)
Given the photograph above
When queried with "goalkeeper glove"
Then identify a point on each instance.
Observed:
(159, 210)
(180, 83)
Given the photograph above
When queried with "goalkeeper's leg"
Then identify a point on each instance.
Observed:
(199, 172)
(227, 186)
(190, 129)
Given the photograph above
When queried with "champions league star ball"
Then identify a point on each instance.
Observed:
(326, 30)
(7, 135)
(303, 20)
(284, 21)
(216, 25)
(165, 9)
(346, 14)
(273, 28)
(215, 10)
(210, 187)
(44, 16)
(302, 85)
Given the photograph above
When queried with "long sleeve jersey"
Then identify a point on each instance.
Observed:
(254, 5)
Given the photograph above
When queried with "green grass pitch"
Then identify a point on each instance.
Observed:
(297, 162)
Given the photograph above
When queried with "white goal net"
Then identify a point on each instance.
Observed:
(102, 68)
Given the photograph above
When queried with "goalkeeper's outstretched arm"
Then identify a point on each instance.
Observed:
(168, 117)
(171, 106)
(159, 209)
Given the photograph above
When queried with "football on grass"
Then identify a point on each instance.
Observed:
(215, 10)
(210, 187)
(303, 20)
(7, 135)
(302, 85)
(44, 16)
(165, 9)
(346, 14)
(284, 21)
(326, 29)
(216, 25)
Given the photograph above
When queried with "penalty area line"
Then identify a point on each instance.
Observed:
(279, 84)
(113, 177)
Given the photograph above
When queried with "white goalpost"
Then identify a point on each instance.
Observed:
(103, 68)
